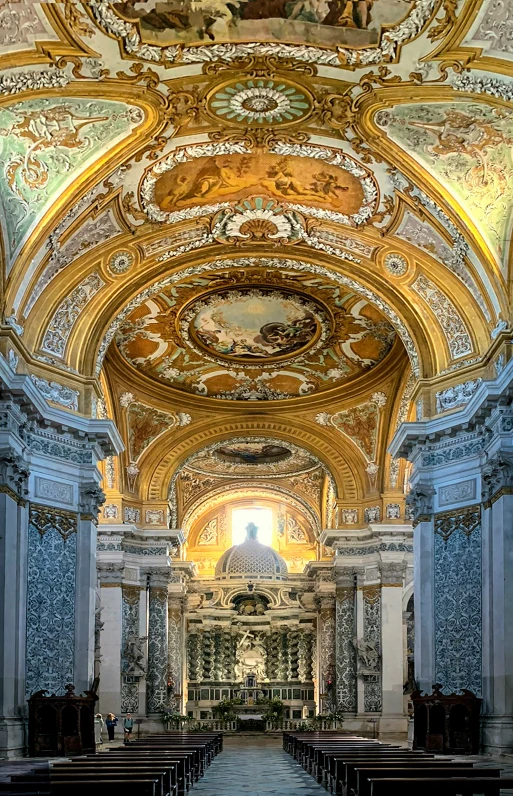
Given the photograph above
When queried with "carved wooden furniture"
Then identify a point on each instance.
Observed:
(448, 724)
(61, 725)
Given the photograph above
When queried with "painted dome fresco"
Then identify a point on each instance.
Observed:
(254, 457)
(251, 560)
(235, 337)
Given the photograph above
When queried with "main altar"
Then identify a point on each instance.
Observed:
(252, 637)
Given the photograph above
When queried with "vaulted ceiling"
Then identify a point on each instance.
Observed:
(256, 224)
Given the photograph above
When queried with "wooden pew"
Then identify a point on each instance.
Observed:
(434, 770)
(134, 772)
(169, 770)
(338, 766)
(442, 786)
(184, 761)
(92, 777)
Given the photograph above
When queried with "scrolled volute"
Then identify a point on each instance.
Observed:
(420, 501)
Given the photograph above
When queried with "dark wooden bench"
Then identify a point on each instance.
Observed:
(97, 766)
(433, 771)
(184, 761)
(442, 786)
(338, 765)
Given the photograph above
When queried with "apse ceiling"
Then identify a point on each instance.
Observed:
(276, 207)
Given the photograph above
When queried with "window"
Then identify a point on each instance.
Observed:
(263, 519)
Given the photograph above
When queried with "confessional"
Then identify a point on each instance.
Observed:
(447, 724)
(60, 726)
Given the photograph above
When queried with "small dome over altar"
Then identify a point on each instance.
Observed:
(251, 560)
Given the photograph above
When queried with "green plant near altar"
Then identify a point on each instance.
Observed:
(172, 719)
(225, 710)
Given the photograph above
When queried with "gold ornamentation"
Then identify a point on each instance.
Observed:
(371, 594)
(445, 23)
(131, 594)
(45, 518)
(464, 520)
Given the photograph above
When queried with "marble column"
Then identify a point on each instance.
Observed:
(497, 529)
(326, 653)
(392, 660)
(345, 635)
(372, 635)
(111, 576)
(157, 677)
(176, 640)
(13, 587)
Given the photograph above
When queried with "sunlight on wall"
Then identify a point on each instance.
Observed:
(263, 519)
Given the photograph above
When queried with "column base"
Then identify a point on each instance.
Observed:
(13, 737)
(375, 724)
(497, 734)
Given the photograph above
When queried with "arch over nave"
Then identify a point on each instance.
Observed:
(256, 268)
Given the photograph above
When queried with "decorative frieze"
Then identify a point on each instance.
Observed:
(456, 396)
(57, 393)
(457, 493)
(47, 489)
(453, 326)
(349, 516)
(67, 313)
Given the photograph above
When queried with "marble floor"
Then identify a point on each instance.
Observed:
(255, 765)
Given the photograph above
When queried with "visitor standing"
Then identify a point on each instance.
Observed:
(111, 722)
(128, 726)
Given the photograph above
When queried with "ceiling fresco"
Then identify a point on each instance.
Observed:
(325, 23)
(221, 206)
(44, 145)
(253, 457)
(467, 146)
(251, 343)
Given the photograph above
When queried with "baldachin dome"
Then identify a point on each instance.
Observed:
(251, 560)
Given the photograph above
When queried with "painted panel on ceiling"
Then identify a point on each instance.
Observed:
(45, 144)
(467, 148)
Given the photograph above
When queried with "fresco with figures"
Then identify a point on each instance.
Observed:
(253, 343)
(44, 143)
(220, 178)
(467, 146)
(357, 23)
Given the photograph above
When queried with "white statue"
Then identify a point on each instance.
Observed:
(368, 655)
(251, 657)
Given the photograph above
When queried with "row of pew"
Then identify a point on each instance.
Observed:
(160, 765)
(348, 765)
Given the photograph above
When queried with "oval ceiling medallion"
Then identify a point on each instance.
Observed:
(120, 262)
(264, 335)
(260, 102)
(253, 326)
(253, 453)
